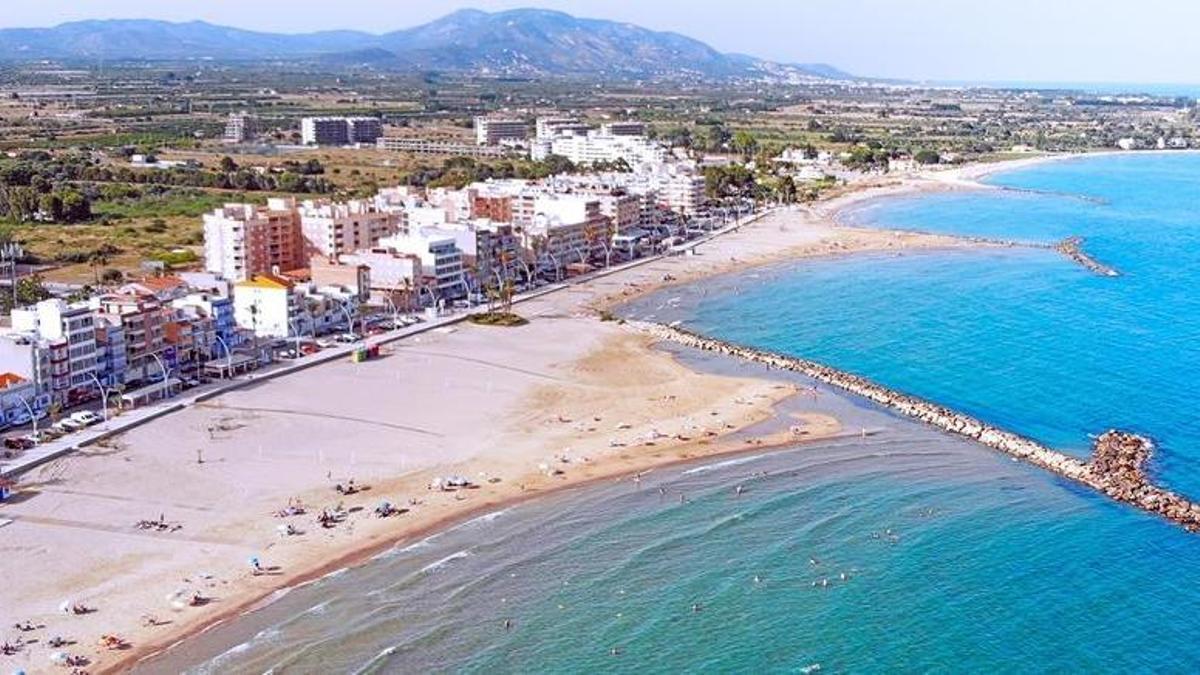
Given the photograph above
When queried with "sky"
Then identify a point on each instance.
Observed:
(1148, 41)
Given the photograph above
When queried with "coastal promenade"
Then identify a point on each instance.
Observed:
(116, 425)
(1117, 466)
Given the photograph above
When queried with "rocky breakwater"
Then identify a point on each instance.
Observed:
(1117, 467)
(1072, 247)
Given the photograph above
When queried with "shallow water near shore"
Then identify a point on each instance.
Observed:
(955, 557)
(952, 555)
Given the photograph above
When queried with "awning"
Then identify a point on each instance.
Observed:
(151, 390)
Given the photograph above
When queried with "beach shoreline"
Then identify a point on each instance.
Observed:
(788, 234)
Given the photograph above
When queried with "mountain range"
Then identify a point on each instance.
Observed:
(521, 42)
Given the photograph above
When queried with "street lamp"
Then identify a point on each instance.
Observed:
(103, 394)
(228, 354)
(349, 318)
(163, 368)
(32, 415)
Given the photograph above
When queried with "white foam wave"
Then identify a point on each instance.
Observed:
(720, 465)
(458, 555)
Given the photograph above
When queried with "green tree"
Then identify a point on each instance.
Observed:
(745, 143)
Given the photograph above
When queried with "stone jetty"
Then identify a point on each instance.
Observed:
(1117, 467)
(1072, 247)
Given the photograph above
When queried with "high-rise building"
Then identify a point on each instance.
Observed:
(364, 129)
(332, 228)
(241, 240)
(340, 130)
(240, 127)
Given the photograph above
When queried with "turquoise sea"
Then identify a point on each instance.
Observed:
(955, 559)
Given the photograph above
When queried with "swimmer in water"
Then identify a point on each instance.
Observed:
(508, 624)
(738, 490)
(697, 608)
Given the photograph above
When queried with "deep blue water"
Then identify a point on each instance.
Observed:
(957, 558)
(1026, 339)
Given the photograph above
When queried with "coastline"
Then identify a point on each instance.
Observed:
(798, 233)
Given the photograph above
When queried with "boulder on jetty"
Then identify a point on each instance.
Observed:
(1118, 468)
(1072, 247)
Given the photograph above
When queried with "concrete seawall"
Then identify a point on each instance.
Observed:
(1116, 469)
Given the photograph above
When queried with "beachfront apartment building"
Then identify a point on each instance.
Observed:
(143, 323)
(271, 306)
(331, 228)
(394, 277)
(441, 260)
(494, 130)
(566, 232)
(266, 306)
(59, 323)
(112, 362)
(41, 361)
(242, 240)
(219, 309)
(340, 130)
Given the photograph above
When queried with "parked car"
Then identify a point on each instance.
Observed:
(325, 343)
(86, 417)
(68, 425)
(19, 443)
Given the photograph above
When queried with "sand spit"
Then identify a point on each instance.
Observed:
(1117, 467)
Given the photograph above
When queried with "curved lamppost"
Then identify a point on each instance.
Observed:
(165, 373)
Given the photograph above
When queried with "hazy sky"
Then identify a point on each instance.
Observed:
(1146, 41)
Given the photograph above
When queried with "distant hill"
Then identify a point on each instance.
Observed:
(527, 42)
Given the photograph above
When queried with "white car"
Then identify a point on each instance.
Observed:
(68, 425)
(86, 417)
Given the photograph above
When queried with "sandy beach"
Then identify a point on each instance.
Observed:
(568, 398)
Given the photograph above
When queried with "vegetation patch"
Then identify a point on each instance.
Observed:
(507, 319)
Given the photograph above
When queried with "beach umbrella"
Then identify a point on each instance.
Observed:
(58, 658)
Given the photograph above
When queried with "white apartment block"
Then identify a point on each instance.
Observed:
(493, 130)
(340, 130)
(636, 151)
(56, 321)
(333, 228)
(548, 128)
(441, 259)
